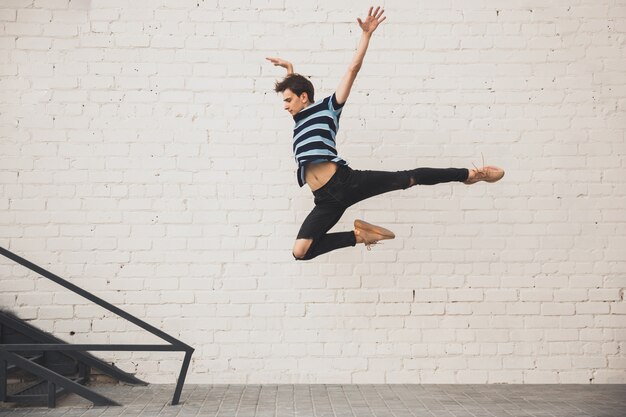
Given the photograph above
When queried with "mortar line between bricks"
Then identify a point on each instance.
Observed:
(343, 391)
(375, 388)
(213, 389)
(451, 398)
(219, 407)
(330, 398)
(309, 397)
(276, 400)
(295, 401)
(478, 404)
(91, 409)
(313, 408)
(417, 397)
(471, 398)
(256, 408)
(241, 397)
(350, 403)
(259, 397)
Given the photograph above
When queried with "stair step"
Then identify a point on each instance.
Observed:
(37, 359)
(37, 393)
(41, 387)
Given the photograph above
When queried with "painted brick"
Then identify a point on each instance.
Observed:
(155, 168)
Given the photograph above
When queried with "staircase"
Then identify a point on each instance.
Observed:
(32, 390)
(45, 367)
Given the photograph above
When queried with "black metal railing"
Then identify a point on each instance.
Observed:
(175, 345)
(68, 368)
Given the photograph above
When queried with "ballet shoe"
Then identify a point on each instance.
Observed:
(371, 234)
(487, 174)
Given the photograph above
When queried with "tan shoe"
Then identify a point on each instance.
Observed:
(371, 234)
(488, 174)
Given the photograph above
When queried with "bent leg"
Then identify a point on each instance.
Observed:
(301, 247)
(313, 238)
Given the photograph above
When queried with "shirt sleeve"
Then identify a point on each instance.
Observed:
(335, 107)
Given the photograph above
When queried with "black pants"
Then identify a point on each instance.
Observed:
(347, 187)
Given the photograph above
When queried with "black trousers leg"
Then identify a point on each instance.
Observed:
(348, 187)
(366, 184)
(316, 226)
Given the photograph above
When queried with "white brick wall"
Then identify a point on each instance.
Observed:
(144, 156)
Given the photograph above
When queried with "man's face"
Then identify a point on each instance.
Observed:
(293, 103)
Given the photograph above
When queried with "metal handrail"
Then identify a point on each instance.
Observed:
(174, 346)
(36, 347)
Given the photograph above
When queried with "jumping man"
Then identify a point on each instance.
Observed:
(336, 186)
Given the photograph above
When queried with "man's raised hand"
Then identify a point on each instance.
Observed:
(281, 63)
(373, 19)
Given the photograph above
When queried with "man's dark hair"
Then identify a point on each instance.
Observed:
(298, 84)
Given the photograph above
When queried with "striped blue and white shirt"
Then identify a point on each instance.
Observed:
(314, 134)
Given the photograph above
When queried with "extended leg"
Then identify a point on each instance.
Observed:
(432, 176)
(366, 184)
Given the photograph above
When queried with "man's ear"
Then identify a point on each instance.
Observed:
(304, 97)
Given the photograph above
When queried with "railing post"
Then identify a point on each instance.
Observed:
(82, 370)
(182, 376)
(3, 379)
(52, 394)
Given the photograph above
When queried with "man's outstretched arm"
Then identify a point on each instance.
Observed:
(373, 19)
(278, 62)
